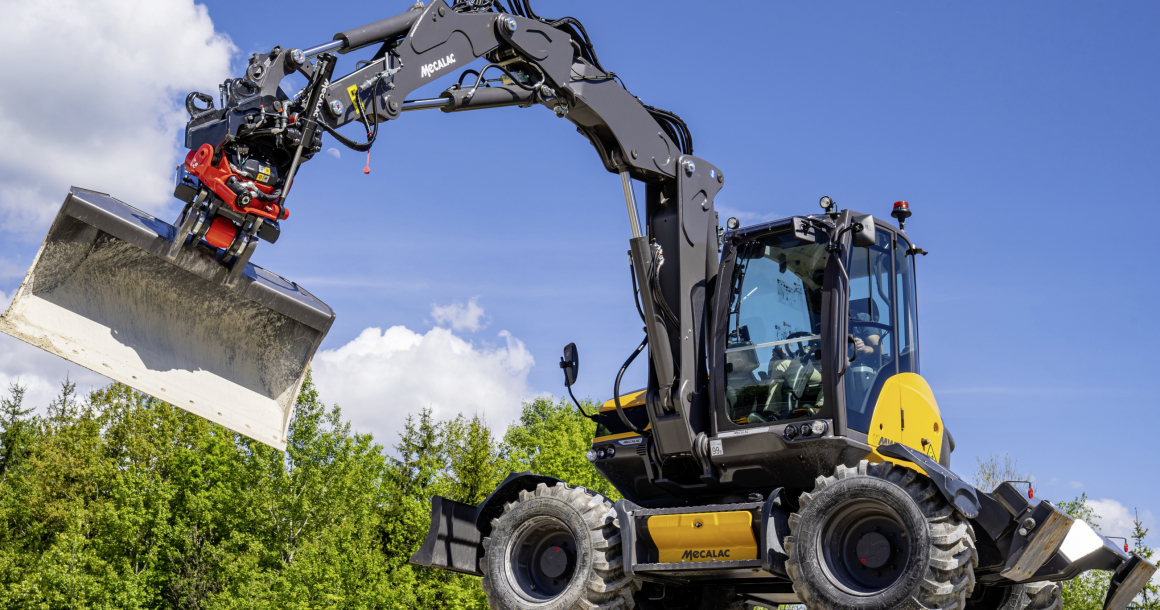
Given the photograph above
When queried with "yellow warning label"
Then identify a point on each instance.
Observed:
(265, 170)
(352, 91)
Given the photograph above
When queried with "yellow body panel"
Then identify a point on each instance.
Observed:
(906, 413)
(632, 399)
(703, 536)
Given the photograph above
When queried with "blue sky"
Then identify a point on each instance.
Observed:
(1024, 136)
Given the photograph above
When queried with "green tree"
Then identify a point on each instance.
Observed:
(1149, 598)
(426, 466)
(1088, 590)
(15, 429)
(552, 438)
(474, 464)
(996, 469)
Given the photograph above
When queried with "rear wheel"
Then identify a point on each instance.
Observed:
(555, 548)
(878, 537)
(1030, 596)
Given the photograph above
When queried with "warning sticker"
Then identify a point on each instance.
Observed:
(352, 91)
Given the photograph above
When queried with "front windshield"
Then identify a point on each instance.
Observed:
(775, 311)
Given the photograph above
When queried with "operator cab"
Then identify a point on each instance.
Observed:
(776, 325)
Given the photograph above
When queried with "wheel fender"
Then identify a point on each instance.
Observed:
(962, 495)
(507, 491)
(774, 529)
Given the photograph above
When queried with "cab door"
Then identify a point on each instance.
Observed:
(885, 396)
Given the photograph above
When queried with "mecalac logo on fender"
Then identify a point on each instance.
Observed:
(437, 65)
(709, 554)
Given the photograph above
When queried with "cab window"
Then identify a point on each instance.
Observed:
(882, 322)
(771, 369)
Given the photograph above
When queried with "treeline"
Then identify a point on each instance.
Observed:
(118, 500)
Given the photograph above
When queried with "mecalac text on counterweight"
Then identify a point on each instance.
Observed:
(707, 554)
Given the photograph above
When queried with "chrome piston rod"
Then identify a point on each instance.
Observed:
(333, 45)
(630, 201)
(438, 102)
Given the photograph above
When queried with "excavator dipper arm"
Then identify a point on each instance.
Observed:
(530, 62)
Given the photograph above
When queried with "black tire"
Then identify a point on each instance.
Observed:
(1030, 596)
(556, 548)
(879, 537)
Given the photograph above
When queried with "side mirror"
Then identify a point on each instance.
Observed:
(865, 236)
(571, 364)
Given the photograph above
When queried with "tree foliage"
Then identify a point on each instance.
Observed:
(118, 500)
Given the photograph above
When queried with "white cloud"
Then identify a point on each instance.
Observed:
(96, 99)
(1075, 484)
(40, 372)
(1115, 519)
(459, 316)
(334, 152)
(382, 376)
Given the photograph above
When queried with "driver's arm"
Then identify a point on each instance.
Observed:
(867, 347)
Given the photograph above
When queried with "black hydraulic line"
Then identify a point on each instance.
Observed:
(658, 297)
(616, 390)
(635, 290)
(371, 134)
(579, 408)
(464, 75)
(515, 79)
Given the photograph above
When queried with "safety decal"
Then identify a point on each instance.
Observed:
(352, 91)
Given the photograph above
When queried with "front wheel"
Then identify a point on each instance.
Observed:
(878, 537)
(556, 548)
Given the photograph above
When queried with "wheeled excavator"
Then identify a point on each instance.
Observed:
(785, 450)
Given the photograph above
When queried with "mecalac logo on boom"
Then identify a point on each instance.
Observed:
(709, 554)
(436, 66)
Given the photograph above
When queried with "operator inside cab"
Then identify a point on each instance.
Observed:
(772, 372)
(772, 368)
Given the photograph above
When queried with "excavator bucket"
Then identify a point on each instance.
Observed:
(111, 291)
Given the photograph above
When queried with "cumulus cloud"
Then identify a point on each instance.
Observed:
(1115, 519)
(459, 316)
(382, 376)
(40, 372)
(100, 102)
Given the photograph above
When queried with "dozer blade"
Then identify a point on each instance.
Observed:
(110, 291)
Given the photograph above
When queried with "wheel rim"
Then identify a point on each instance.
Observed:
(864, 547)
(541, 559)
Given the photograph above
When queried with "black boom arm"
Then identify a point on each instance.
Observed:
(531, 61)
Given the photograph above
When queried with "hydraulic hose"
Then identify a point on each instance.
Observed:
(616, 390)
